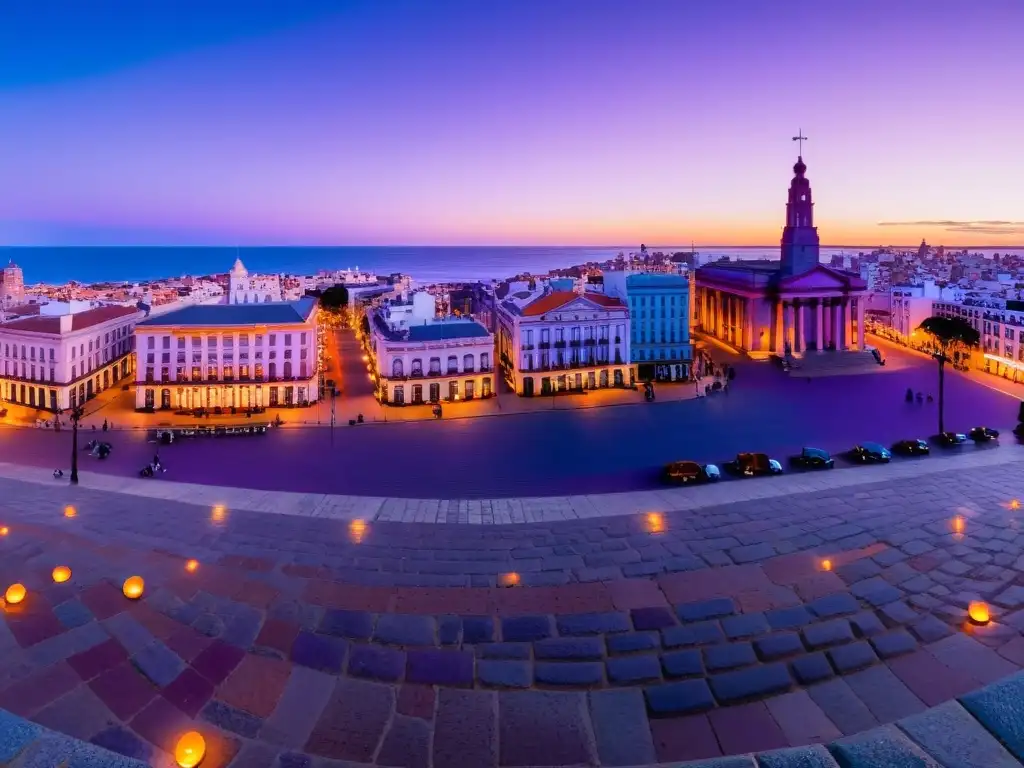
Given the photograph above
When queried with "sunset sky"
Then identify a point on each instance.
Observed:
(591, 122)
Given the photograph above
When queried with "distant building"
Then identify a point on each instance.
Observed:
(1001, 328)
(785, 308)
(911, 305)
(65, 354)
(659, 314)
(244, 288)
(12, 286)
(420, 358)
(560, 340)
(229, 356)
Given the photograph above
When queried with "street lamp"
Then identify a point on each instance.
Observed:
(77, 412)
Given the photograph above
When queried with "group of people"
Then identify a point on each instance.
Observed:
(919, 397)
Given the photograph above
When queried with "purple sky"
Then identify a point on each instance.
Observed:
(508, 122)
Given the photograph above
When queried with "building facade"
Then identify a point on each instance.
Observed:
(418, 358)
(244, 288)
(229, 356)
(561, 341)
(12, 286)
(1001, 349)
(659, 320)
(65, 355)
(784, 308)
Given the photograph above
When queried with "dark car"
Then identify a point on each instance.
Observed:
(951, 439)
(871, 452)
(753, 465)
(690, 473)
(813, 458)
(911, 448)
(983, 434)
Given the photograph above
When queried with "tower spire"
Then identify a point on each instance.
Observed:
(801, 139)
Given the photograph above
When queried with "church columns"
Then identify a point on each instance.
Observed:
(837, 333)
(748, 324)
(801, 326)
(778, 331)
(860, 324)
(790, 327)
(847, 325)
(819, 334)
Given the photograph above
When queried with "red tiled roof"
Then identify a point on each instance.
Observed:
(552, 301)
(79, 320)
(24, 310)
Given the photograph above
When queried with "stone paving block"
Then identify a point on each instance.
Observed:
(700, 633)
(746, 728)
(407, 744)
(477, 629)
(498, 673)
(558, 725)
(954, 738)
(566, 673)
(299, 708)
(752, 553)
(242, 630)
(1000, 708)
(632, 642)
(893, 643)
(728, 656)
(749, 683)
(884, 746)
(353, 722)
(159, 663)
(898, 613)
(706, 609)
(525, 629)
(852, 656)
(689, 737)
(884, 693)
(504, 650)
(842, 706)
(593, 623)
(190, 692)
(68, 644)
(230, 719)
(355, 625)
(466, 729)
(802, 721)
(1011, 597)
(778, 645)
(630, 670)
(73, 613)
(685, 663)
(745, 625)
(838, 604)
(439, 667)
(569, 648)
(55, 749)
(620, 726)
(117, 738)
(651, 618)
(827, 633)
(678, 698)
(929, 679)
(961, 651)
(376, 663)
(15, 735)
(928, 629)
(789, 618)
(813, 756)
(320, 652)
(405, 629)
(449, 630)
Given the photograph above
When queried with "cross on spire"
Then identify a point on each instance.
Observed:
(800, 138)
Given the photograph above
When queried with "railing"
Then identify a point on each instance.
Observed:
(527, 347)
(574, 343)
(545, 345)
(559, 345)
(588, 342)
(603, 342)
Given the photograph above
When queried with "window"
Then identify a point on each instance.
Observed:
(229, 373)
(166, 342)
(273, 339)
(485, 361)
(211, 342)
(243, 372)
(396, 368)
(181, 342)
(453, 364)
(467, 364)
(417, 367)
(287, 370)
(150, 342)
(435, 365)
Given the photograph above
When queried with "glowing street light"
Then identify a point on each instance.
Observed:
(979, 613)
(133, 587)
(61, 574)
(190, 750)
(15, 594)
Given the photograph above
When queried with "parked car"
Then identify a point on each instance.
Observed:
(813, 458)
(871, 453)
(911, 448)
(952, 439)
(753, 465)
(983, 434)
(690, 473)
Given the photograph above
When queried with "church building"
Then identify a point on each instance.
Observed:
(787, 308)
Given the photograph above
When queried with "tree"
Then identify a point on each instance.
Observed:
(334, 298)
(948, 332)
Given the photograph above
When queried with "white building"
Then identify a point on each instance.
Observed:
(561, 340)
(1001, 327)
(66, 354)
(244, 288)
(419, 358)
(229, 356)
(910, 306)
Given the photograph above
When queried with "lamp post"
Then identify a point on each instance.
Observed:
(76, 414)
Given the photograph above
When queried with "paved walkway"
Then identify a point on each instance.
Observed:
(700, 628)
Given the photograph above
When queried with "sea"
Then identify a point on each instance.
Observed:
(425, 264)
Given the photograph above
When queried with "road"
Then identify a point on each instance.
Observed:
(594, 450)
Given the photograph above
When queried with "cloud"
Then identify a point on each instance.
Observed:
(980, 227)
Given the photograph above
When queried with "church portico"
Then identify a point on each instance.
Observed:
(787, 308)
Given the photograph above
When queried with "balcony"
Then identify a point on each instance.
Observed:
(603, 342)
(574, 343)
(559, 345)
(545, 345)
(527, 347)
(588, 342)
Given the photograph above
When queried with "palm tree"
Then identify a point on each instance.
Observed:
(948, 332)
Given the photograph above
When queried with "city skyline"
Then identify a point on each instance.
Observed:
(371, 124)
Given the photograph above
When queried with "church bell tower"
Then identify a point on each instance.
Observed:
(800, 245)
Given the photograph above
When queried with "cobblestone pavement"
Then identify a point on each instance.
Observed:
(562, 452)
(636, 639)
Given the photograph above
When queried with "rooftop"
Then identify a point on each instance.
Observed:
(549, 302)
(79, 320)
(436, 330)
(270, 313)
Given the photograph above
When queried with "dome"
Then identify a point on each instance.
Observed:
(239, 269)
(799, 169)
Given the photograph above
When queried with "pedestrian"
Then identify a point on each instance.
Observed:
(105, 425)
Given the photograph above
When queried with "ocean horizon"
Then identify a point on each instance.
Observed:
(425, 264)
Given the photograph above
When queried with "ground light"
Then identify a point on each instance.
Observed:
(1014, 503)
(357, 531)
(61, 574)
(654, 522)
(826, 565)
(70, 511)
(4, 530)
(15, 594)
(192, 566)
(133, 587)
(959, 525)
(979, 613)
(190, 750)
(508, 580)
